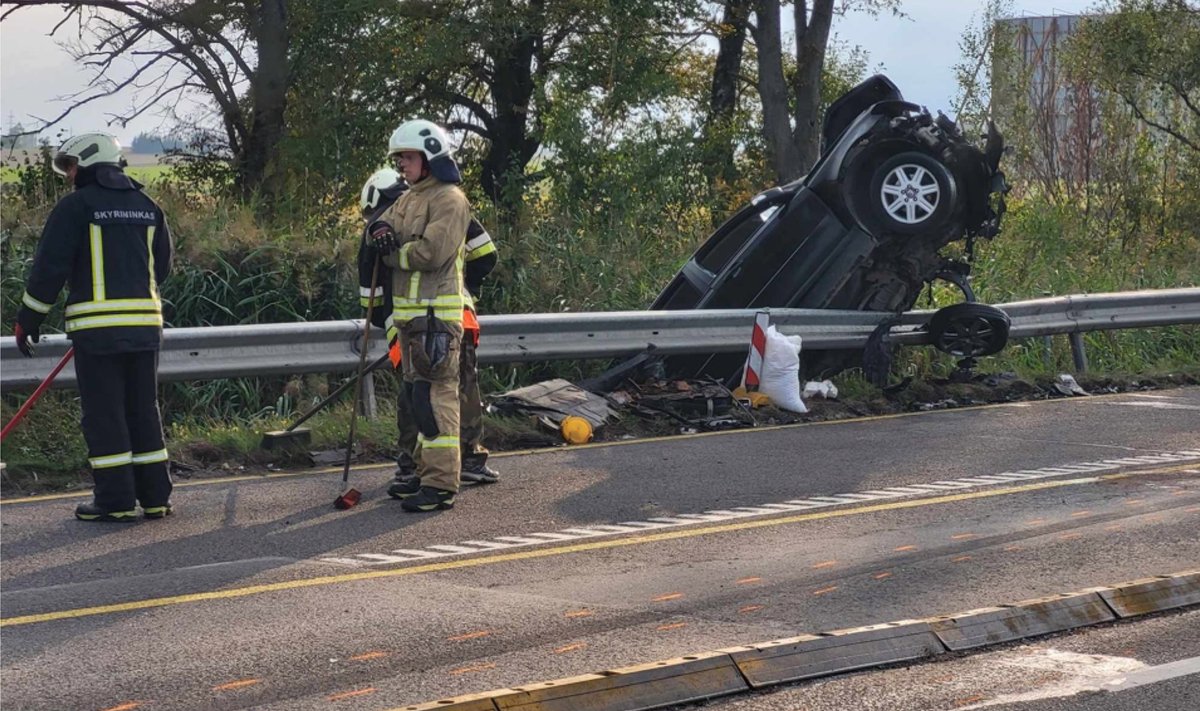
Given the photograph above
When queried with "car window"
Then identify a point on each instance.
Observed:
(726, 243)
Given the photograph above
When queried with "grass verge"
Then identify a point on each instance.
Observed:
(47, 453)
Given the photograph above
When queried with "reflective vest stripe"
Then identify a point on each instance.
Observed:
(477, 242)
(114, 306)
(443, 300)
(481, 251)
(39, 306)
(114, 321)
(441, 312)
(97, 241)
(150, 261)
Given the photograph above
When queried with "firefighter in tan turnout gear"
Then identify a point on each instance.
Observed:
(381, 190)
(420, 237)
(109, 242)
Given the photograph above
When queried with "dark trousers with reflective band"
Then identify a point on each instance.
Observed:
(123, 429)
(471, 415)
(470, 405)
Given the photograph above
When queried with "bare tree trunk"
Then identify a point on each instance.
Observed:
(792, 114)
(731, 43)
(812, 36)
(512, 146)
(268, 100)
(782, 153)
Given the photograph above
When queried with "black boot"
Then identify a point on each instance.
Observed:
(429, 499)
(92, 512)
(478, 472)
(402, 488)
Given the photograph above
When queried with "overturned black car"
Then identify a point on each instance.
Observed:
(863, 230)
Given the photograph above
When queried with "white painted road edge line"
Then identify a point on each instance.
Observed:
(1153, 675)
(406, 555)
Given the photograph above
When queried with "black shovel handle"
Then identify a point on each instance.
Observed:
(337, 392)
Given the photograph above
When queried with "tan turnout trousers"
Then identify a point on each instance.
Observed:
(438, 457)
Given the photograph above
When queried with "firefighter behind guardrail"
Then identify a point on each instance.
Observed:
(109, 241)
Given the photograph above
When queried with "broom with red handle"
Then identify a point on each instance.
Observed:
(37, 393)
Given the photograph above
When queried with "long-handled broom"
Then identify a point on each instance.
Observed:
(37, 393)
(351, 496)
(295, 435)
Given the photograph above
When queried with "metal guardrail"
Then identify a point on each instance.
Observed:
(331, 346)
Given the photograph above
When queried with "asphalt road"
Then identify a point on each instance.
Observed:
(258, 594)
(1150, 664)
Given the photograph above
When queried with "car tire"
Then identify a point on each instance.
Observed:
(908, 193)
(969, 330)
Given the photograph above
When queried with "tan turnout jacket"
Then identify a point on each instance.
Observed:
(430, 220)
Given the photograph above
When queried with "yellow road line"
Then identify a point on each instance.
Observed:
(573, 448)
(557, 550)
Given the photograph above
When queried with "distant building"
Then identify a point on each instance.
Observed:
(1032, 88)
(14, 141)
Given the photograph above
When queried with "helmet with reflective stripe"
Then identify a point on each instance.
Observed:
(373, 190)
(428, 138)
(87, 150)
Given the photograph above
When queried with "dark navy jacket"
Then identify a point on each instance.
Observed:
(109, 242)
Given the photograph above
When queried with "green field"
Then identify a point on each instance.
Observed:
(142, 173)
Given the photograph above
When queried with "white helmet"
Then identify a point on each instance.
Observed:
(420, 135)
(430, 139)
(88, 150)
(381, 180)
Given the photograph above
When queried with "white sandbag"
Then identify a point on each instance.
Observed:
(825, 389)
(780, 379)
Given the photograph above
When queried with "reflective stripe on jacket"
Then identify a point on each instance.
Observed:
(110, 243)
(430, 220)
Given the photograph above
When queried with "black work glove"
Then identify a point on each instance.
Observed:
(383, 237)
(26, 329)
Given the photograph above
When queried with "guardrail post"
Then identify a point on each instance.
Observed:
(1078, 353)
(368, 406)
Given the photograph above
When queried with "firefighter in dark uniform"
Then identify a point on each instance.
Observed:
(383, 188)
(110, 243)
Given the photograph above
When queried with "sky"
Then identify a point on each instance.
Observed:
(918, 53)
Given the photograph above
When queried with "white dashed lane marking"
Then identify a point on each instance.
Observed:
(408, 555)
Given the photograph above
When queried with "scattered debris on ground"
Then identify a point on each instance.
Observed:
(653, 408)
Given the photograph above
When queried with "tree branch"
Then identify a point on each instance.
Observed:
(1129, 101)
(472, 128)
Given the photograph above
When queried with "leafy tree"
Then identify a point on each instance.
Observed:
(494, 68)
(158, 52)
(1147, 53)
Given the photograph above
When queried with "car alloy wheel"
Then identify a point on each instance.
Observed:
(909, 193)
(969, 330)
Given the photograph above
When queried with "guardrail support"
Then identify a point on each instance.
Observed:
(368, 405)
(1078, 352)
